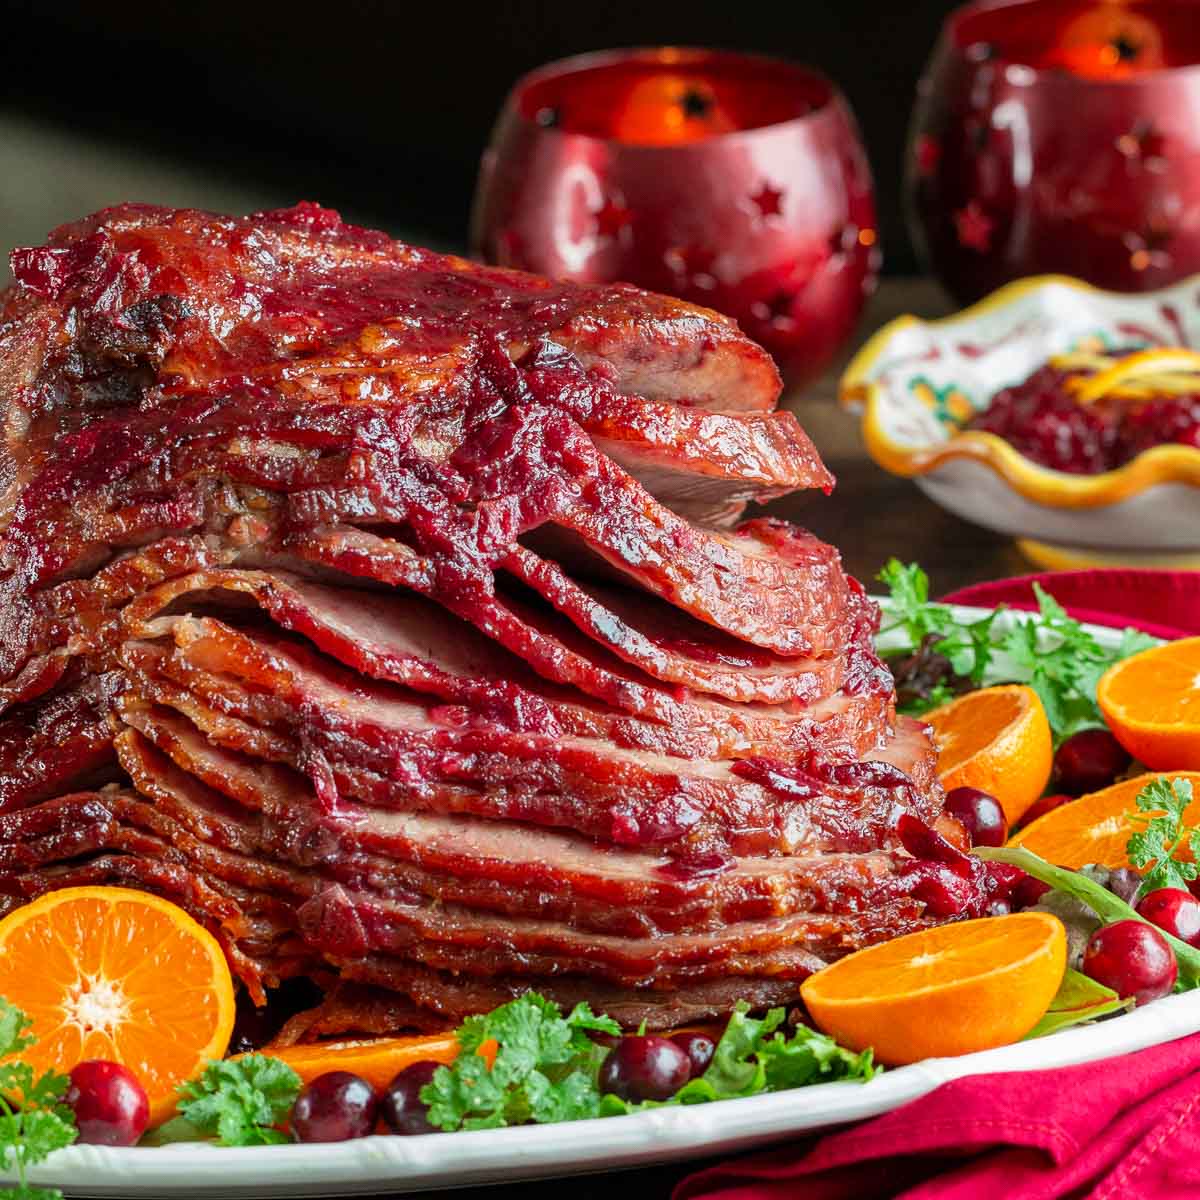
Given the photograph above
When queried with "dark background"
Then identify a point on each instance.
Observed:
(378, 108)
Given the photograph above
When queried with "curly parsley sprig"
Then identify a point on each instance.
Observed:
(238, 1101)
(33, 1120)
(1162, 834)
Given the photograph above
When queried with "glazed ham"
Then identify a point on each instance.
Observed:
(396, 616)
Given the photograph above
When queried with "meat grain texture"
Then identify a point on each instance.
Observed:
(396, 616)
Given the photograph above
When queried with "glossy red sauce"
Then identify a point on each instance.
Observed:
(1041, 419)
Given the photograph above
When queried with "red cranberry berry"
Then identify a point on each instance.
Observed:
(1039, 808)
(401, 1107)
(1133, 959)
(699, 1048)
(109, 1103)
(1175, 910)
(980, 814)
(1088, 761)
(645, 1067)
(1028, 892)
(334, 1107)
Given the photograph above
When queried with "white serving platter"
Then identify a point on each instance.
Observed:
(386, 1165)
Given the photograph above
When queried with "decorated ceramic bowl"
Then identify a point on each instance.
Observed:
(917, 383)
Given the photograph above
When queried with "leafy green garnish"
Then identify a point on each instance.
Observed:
(1161, 807)
(753, 1055)
(967, 646)
(33, 1120)
(1107, 906)
(546, 1066)
(1063, 663)
(1078, 999)
(1050, 651)
(240, 1101)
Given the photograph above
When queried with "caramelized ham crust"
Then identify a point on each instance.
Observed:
(395, 616)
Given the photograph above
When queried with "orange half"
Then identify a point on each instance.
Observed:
(998, 740)
(117, 974)
(973, 985)
(1151, 702)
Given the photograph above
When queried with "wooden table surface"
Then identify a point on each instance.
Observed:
(870, 516)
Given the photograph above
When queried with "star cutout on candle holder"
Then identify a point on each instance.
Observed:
(612, 218)
(974, 227)
(768, 200)
(692, 266)
(695, 104)
(1143, 146)
(1148, 247)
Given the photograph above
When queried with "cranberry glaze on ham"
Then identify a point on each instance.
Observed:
(396, 616)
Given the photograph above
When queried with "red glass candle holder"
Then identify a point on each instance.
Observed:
(1060, 136)
(731, 180)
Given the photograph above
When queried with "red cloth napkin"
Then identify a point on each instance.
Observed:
(1129, 1127)
(1125, 1128)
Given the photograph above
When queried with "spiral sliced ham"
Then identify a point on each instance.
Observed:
(395, 616)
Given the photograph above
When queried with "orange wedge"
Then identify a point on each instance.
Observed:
(112, 973)
(998, 740)
(1151, 702)
(1095, 828)
(959, 988)
(377, 1060)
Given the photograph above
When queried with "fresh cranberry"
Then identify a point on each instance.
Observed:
(334, 1107)
(402, 1108)
(1133, 959)
(1039, 808)
(1175, 910)
(645, 1067)
(699, 1048)
(1088, 761)
(109, 1103)
(1028, 892)
(1124, 883)
(980, 814)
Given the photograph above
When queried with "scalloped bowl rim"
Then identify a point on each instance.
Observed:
(1173, 463)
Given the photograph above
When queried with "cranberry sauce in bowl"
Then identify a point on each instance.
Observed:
(1068, 417)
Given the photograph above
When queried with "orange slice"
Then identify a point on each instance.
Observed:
(959, 988)
(112, 973)
(1095, 828)
(1151, 702)
(998, 740)
(377, 1060)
